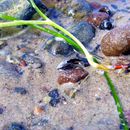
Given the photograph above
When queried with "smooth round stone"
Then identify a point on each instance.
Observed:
(58, 47)
(116, 44)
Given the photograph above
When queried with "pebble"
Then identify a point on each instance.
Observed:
(38, 110)
(7, 69)
(54, 102)
(20, 90)
(58, 47)
(72, 75)
(55, 97)
(97, 18)
(115, 44)
(16, 126)
(83, 31)
(71, 92)
(54, 93)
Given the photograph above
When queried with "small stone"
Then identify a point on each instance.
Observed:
(54, 93)
(16, 126)
(46, 99)
(84, 31)
(58, 47)
(70, 92)
(115, 44)
(55, 97)
(72, 75)
(97, 18)
(20, 90)
(38, 110)
(53, 102)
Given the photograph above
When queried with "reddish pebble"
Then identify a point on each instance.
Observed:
(97, 18)
(24, 49)
(38, 110)
(72, 75)
(23, 63)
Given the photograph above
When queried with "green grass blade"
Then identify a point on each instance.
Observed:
(117, 101)
(7, 17)
(38, 10)
(68, 34)
(22, 22)
(58, 34)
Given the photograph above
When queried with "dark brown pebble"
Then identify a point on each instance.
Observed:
(97, 18)
(72, 75)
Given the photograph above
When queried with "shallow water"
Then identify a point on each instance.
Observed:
(93, 107)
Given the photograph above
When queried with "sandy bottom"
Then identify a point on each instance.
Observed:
(93, 108)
